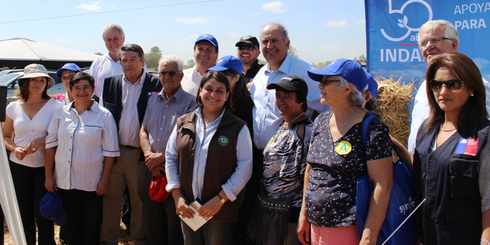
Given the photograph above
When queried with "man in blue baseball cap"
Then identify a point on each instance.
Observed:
(205, 56)
(66, 73)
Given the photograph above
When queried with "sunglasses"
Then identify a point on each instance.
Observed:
(453, 84)
(170, 73)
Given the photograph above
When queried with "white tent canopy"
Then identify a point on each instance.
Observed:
(26, 49)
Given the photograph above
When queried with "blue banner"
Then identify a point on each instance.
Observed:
(392, 28)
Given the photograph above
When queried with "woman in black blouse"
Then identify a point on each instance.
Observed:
(337, 156)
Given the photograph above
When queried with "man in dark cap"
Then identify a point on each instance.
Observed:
(248, 52)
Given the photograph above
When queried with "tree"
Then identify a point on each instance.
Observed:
(152, 58)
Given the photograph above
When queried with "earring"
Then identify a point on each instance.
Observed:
(472, 95)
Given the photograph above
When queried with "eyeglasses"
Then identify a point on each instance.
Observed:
(170, 73)
(246, 47)
(454, 84)
(437, 40)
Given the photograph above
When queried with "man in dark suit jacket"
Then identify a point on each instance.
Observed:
(126, 96)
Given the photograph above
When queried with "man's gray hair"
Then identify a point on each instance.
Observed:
(449, 29)
(113, 27)
(166, 59)
(280, 27)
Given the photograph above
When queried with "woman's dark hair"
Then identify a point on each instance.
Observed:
(219, 77)
(82, 76)
(23, 92)
(473, 115)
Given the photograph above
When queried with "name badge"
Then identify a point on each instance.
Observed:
(343, 147)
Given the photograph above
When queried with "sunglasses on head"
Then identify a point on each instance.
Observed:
(454, 84)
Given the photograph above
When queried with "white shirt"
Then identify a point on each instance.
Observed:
(26, 129)
(191, 80)
(104, 67)
(265, 112)
(129, 124)
(421, 111)
(82, 141)
(204, 134)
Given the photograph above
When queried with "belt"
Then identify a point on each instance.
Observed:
(130, 147)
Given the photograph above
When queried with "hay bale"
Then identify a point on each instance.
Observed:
(392, 106)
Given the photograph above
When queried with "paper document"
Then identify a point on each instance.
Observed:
(197, 221)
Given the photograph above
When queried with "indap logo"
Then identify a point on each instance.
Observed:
(403, 21)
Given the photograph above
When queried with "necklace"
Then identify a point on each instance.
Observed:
(448, 130)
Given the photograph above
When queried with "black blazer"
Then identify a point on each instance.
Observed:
(112, 95)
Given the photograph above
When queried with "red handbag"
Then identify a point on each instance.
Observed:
(156, 189)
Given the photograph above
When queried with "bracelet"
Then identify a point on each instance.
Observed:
(222, 199)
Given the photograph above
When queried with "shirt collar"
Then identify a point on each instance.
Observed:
(94, 107)
(140, 80)
(285, 66)
(177, 94)
(108, 56)
(217, 120)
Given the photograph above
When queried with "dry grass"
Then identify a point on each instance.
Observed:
(393, 101)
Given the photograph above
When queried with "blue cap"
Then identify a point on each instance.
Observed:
(372, 84)
(67, 67)
(350, 70)
(228, 62)
(51, 207)
(207, 38)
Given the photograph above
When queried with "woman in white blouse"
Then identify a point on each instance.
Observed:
(81, 147)
(24, 131)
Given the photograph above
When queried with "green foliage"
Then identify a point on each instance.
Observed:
(152, 58)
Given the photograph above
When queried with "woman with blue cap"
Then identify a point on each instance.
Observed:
(24, 131)
(66, 73)
(241, 104)
(338, 155)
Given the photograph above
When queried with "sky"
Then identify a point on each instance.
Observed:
(319, 30)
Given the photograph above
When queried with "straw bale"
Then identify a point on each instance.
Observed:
(393, 105)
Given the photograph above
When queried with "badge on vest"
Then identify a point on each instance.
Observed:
(343, 147)
(467, 147)
(223, 140)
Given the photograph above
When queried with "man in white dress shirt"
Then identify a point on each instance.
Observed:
(109, 64)
(205, 56)
(435, 37)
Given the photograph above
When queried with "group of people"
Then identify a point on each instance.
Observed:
(267, 154)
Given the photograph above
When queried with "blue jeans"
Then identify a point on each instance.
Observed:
(212, 233)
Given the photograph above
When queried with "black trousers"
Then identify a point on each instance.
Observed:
(83, 211)
(29, 189)
(161, 223)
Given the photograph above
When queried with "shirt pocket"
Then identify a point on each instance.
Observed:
(463, 177)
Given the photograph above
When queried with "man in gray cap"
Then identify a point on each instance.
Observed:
(205, 56)
(248, 52)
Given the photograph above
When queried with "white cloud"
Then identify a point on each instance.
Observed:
(191, 20)
(276, 7)
(336, 23)
(90, 6)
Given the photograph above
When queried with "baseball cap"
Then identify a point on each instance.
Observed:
(372, 84)
(67, 67)
(291, 84)
(228, 62)
(51, 207)
(207, 38)
(248, 40)
(350, 70)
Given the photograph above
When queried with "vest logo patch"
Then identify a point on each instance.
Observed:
(223, 140)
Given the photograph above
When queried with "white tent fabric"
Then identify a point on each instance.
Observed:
(26, 49)
(8, 199)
